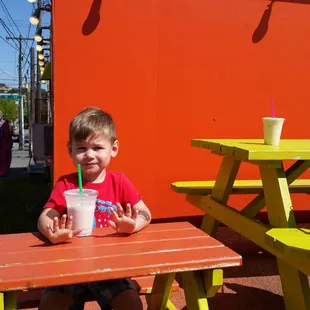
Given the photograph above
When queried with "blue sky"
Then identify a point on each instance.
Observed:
(20, 10)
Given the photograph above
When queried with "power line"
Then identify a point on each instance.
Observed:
(19, 21)
(27, 57)
(26, 46)
(8, 43)
(8, 73)
(6, 11)
(8, 14)
(7, 30)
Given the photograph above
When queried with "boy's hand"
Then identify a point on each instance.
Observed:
(62, 230)
(125, 220)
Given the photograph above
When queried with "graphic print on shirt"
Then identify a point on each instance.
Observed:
(103, 213)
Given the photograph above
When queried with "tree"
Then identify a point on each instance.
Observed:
(9, 109)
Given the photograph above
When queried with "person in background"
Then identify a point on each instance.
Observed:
(5, 146)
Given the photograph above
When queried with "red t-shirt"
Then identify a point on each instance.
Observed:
(115, 188)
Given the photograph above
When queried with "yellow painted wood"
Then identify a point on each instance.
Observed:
(267, 163)
(206, 143)
(248, 187)
(10, 301)
(1, 301)
(296, 170)
(221, 190)
(239, 187)
(252, 149)
(249, 228)
(277, 196)
(194, 291)
(276, 192)
(170, 306)
(158, 299)
(295, 186)
(281, 215)
(290, 241)
(213, 280)
(295, 287)
(254, 206)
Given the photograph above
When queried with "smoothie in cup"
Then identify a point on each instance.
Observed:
(272, 130)
(81, 206)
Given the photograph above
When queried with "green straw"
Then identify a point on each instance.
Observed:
(80, 178)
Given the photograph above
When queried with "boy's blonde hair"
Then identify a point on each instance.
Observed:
(90, 122)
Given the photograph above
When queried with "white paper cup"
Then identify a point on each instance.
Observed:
(272, 130)
(82, 208)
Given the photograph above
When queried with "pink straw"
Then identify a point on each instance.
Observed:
(272, 108)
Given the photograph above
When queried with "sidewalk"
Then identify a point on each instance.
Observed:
(20, 160)
(20, 163)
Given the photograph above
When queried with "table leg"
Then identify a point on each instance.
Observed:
(194, 291)
(292, 173)
(8, 301)
(221, 190)
(159, 297)
(1, 301)
(280, 213)
(295, 287)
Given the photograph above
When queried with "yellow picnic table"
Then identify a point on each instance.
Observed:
(290, 245)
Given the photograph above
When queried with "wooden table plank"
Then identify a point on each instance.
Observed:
(255, 149)
(99, 236)
(20, 277)
(52, 253)
(7, 238)
(106, 255)
(239, 187)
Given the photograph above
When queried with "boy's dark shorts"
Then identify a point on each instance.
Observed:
(103, 291)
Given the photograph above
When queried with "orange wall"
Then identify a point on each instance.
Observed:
(172, 70)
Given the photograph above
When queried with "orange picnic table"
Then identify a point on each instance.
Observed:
(28, 261)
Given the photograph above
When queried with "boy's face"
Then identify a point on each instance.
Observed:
(93, 155)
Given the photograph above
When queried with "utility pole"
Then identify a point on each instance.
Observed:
(20, 40)
(28, 112)
(38, 100)
(32, 100)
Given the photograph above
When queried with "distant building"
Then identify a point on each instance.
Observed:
(4, 88)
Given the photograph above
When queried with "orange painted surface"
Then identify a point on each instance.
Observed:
(169, 71)
(157, 249)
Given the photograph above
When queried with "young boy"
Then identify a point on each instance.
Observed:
(92, 143)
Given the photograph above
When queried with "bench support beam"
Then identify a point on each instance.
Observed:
(213, 280)
(222, 188)
(292, 173)
(194, 290)
(159, 297)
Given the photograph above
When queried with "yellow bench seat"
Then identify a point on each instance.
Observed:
(240, 187)
(294, 242)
